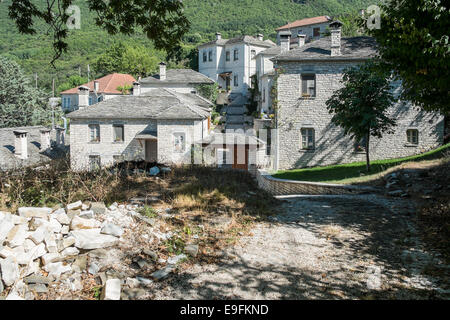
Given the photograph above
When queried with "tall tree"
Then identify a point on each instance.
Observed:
(72, 82)
(413, 40)
(20, 103)
(123, 58)
(163, 21)
(360, 106)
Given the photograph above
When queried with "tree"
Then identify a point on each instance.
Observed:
(162, 21)
(123, 58)
(414, 42)
(72, 82)
(125, 89)
(360, 107)
(208, 91)
(20, 103)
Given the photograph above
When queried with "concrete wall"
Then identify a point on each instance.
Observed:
(331, 146)
(278, 187)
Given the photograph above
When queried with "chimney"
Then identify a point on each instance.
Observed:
(285, 41)
(218, 36)
(301, 40)
(60, 136)
(335, 28)
(96, 86)
(45, 139)
(136, 88)
(162, 71)
(21, 144)
(260, 37)
(83, 97)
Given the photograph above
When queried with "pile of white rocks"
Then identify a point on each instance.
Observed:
(44, 239)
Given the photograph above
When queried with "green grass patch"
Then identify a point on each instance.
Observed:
(355, 172)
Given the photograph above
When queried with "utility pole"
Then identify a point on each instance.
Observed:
(53, 107)
(35, 79)
(89, 70)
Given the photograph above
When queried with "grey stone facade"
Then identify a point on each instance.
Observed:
(331, 146)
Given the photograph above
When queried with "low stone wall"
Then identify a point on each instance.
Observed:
(278, 187)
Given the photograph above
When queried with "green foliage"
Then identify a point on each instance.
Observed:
(72, 82)
(360, 107)
(125, 89)
(148, 212)
(123, 58)
(162, 21)
(20, 103)
(414, 42)
(208, 91)
(252, 106)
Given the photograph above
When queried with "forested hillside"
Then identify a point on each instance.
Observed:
(231, 17)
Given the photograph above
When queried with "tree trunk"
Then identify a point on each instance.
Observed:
(367, 151)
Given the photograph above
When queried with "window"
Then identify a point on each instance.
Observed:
(66, 102)
(94, 130)
(412, 136)
(309, 85)
(236, 81)
(100, 98)
(204, 56)
(308, 140)
(210, 55)
(360, 146)
(118, 130)
(94, 163)
(253, 54)
(316, 32)
(227, 56)
(90, 100)
(264, 95)
(179, 142)
(236, 55)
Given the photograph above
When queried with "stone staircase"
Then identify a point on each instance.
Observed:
(235, 112)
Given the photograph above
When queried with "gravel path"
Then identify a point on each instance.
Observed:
(323, 247)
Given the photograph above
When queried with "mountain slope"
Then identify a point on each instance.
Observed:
(231, 17)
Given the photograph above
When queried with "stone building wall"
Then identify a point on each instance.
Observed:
(331, 146)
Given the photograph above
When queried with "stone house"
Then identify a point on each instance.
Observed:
(179, 80)
(313, 29)
(305, 135)
(95, 91)
(30, 146)
(231, 62)
(159, 125)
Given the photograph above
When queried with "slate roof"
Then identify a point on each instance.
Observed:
(108, 84)
(157, 104)
(9, 161)
(353, 48)
(271, 51)
(305, 22)
(184, 76)
(245, 39)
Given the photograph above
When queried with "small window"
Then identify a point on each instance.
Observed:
(316, 32)
(66, 102)
(210, 56)
(412, 136)
(308, 139)
(264, 95)
(253, 54)
(227, 56)
(90, 100)
(360, 146)
(179, 142)
(94, 163)
(236, 81)
(100, 99)
(236, 54)
(308, 85)
(118, 132)
(94, 132)
(204, 56)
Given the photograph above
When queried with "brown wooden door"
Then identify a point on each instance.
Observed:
(236, 165)
(151, 150)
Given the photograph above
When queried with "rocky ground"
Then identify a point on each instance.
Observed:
(323, 247)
